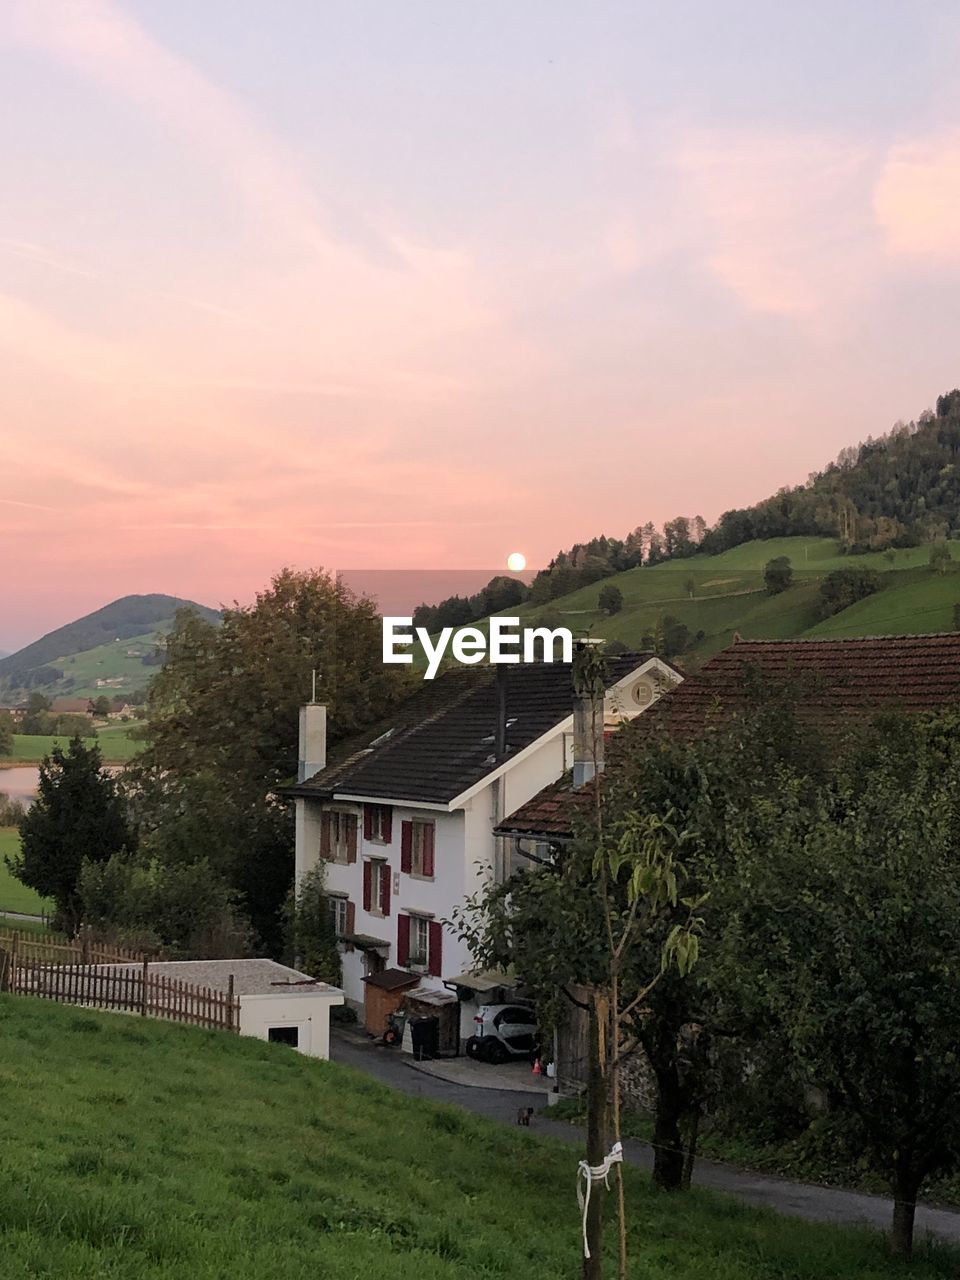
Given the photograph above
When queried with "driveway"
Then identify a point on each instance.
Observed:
(799, 1199)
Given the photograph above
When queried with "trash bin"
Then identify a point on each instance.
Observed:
(425, 1037)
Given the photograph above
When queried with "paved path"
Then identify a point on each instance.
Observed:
(800, 1199)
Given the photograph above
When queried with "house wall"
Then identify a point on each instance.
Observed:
(310, 1014)
(466, 854)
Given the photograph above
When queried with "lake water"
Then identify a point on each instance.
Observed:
(20, 783)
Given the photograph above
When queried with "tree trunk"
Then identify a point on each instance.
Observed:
(691, 1153)
(905, 1189)
(667, 1143)
(596, 1144)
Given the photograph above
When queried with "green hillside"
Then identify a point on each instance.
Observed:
(137, 1150)
(115, 643)
(718, 596)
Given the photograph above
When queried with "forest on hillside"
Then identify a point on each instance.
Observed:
(901, 489)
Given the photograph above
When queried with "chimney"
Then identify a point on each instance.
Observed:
(313, 740)
(500, 728)
(588, 717)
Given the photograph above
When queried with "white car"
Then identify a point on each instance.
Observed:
(502, 1032)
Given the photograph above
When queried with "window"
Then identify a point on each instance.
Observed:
(417, 845)
(338, 836)
(284, 1035)
(419, 941)
(340, 911)
(376, 886)
(378, 823)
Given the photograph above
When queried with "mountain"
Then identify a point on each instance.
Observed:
(116, 643)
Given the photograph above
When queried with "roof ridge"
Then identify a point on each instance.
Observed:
(896, 635)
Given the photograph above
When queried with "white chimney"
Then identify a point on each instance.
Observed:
(587, 738)
(313, 740)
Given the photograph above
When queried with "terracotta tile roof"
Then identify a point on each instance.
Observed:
(441, 740)
(841, 681)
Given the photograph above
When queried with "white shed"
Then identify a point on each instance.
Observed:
(276, 1003)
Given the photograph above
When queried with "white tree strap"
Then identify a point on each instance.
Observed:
(587, 1175)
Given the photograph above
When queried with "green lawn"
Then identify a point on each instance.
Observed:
(115, 743)
(143, 1151)
(15, 896)
(728, 597)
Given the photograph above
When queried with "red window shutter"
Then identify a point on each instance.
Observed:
(435, 958)
(325, 835)
(351, 917)
(385, 889)
(367, 882)
(351, 838)
(387, 824)
(368, 822)
(406, 846)
(428, 834)
(403, 941)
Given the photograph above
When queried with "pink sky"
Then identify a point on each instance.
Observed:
(415, 286)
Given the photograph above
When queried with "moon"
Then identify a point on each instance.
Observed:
(516, 561)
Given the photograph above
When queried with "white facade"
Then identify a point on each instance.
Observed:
(465, 848)
(300, 1019)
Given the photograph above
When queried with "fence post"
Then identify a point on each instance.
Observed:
(143, 990)
(14, 970)
(84, 944)
(230, 1003)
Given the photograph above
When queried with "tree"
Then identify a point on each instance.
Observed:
(777, 575)
(864, 885)
(223, 724)
(939, 558)
(312, 931)
(101, 706)
(844, 587)
(690, 586)
(601, 917)
(78, 816)
(187, 909)
(610, 600)
(7, 730)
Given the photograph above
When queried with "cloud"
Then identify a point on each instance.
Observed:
(786, 217)
(917, 197)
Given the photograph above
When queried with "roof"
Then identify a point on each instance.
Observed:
(442, 739)
(68, 706)
(254, 977)
(392, 979)
(843, 680)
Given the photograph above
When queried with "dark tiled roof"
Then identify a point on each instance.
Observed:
(840, 681)
(441, 740)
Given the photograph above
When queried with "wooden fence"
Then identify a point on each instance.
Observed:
(120, 986)
(58, 949)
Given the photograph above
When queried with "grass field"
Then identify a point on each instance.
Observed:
(15, 896)
(722, 595)
(116, 745)
(142, 1151)
(120, 659)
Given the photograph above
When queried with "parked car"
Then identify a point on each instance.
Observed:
(502, 1032)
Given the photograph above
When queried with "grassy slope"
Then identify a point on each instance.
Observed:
(15, 896)
(729, 597)
(116, 746)
(149, 1152)
(110, 661)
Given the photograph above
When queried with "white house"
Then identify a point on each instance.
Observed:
(404, 817)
